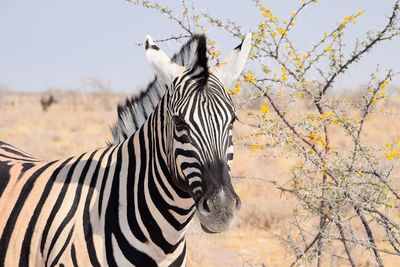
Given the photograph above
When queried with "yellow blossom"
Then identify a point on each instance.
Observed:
(329, 48)
(282, 31)
(237, 89)
(360, 12)
(285, 78)
(347, 18)
(300, 95)
(293, 14)
(249, 77)
(253, 147)
(390, 155)
(264, 109)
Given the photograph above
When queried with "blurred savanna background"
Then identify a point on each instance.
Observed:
(318, 137)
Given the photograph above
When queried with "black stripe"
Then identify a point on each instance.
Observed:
(112, 227)
(87, 226)
(103, 182)
(58, 203)
(73, 256)
(149, 222)
(132, 220)
(12, 219)
(66, 243)
(26, 244)
(20, 159)
(178, 262)
(4, 175)
(75, 203)
(18, 153)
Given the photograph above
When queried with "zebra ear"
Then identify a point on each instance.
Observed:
(229, 69)
(163, 65)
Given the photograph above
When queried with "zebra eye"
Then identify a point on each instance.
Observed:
(234, 119)
(179, 122)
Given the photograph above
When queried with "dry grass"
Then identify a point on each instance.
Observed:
(79, 122)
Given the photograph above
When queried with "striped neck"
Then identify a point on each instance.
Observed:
(152, 212)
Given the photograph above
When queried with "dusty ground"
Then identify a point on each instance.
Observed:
(79, 122)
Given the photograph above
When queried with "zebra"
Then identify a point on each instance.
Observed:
(131, 202)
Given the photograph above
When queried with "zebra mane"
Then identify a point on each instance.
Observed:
(135, 110)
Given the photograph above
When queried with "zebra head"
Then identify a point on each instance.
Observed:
(201, 116)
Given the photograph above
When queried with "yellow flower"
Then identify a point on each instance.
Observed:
(300, 95)
(264, 109)
(285, 78)
(328, 114)
(390, 155)
(347, 18)
(252, 147)
(237, 89)
(360, 12)
(249, 77)
(293, 14)
(282, 31)
(263, 26)
(299, 64)
(329, 48)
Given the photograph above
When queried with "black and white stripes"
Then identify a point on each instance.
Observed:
(129, 204)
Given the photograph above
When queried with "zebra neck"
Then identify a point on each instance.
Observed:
(151, 210)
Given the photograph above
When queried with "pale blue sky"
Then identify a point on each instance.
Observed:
(63, 43)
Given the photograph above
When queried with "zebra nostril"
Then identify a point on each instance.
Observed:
(238, 204)
(206, 207)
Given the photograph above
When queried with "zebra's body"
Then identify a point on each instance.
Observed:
(73, 191)
(128, 204)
